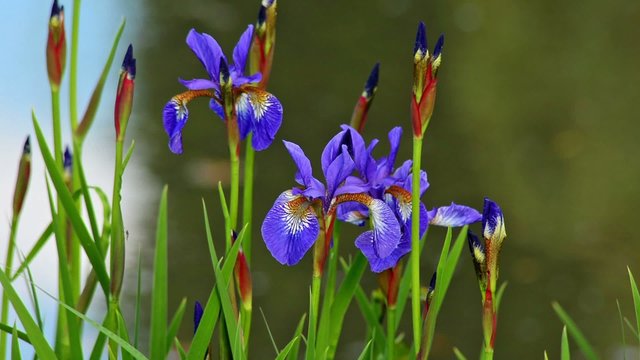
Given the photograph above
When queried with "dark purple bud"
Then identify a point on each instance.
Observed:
(197, 315)
(421, 40)
(432, 283)
(55, 9)
(68, 160)
(262, 15)
(224, 71)
(129, 63)
(26, 149)
(438, 48)
(478, 256)
(372, 82)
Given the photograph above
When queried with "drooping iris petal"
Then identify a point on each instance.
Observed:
(241, 50)
(384, 235)
(354, 213)
(207, 50)
(174, 117)
(199, 84)
(454, 215)
(378, 264)
(338, 171)
(355, 146)
(238, 79)
(260, 112)
(290, 228)
(387, 163)
(217, 108)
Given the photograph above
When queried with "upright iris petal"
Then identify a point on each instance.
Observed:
(207, 50)
(304, 175)
(290, 228)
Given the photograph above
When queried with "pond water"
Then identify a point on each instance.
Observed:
(535, 109)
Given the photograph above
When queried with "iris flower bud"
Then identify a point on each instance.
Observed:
(24, 174)
(124, 94)
(68, 167)
(56, 46)
(389, 281)
(264, 40)
(359, 117)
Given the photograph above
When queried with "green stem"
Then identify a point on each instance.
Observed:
(7, 270)
(415, 244)
(73, 70)
(117, 230)
(315, 302)
(57, 132)
(391, 331)
(488, 354)
(235, 185)
(247, 197)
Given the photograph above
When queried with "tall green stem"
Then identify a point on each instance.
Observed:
(391, 331)
(117, 248)
(7, 270)
(235, 186)
(247, 198)
(73, 71)
(315, 304)
(415, 244)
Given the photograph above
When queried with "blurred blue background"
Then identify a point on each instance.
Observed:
(535, 109)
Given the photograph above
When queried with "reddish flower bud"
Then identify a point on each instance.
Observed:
(24, 174)
(124, 94)
(243, 277)
(264, 40)
(389, 281)
(56, 45)
(359, 117)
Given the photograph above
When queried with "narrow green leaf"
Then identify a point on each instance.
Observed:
(287, 349)
(111, 335)
(273, 341)
(122, 329)
(174, 325)
(631, 328)
(15, 347)
(42, 240)
(366, 351)
(624, 341)
(98, 346)
(405, 285)
(293, 354)
(564, 346)
(459, 355)
(36, 337)
(9, 330)
(68, 203)
(94, 102)
(225, 214)
(34, 298)
(575, 332)
(324, 327)
(343, 299)
(136, 321)
(499, 294)
(127, 156)
(545, 355)
(84, 188)
(160, 290)
(636, 298)
(180, 349)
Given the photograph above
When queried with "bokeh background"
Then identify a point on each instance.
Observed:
(536, 108)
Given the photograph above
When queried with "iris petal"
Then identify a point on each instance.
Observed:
(207, 50)
(338, 171)
(174, 117)
(355, 145)
(304, 173)
(385, 234)
(199, 84)
(493, 221)
(290, 228)
(241, 50)
(217, 108)
(454, 215)
(263, 112)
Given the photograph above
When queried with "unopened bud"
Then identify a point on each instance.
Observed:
(68, 167)
(197, 315)
(264, 40)
(359, 117)
(389, 281)
(56, 46)
(124, 94)
(24, 174)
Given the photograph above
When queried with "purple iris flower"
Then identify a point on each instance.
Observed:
(295, 220)
(257, 111)
(394, 186)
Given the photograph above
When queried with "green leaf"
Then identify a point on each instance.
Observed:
(631, 328)
(366, 351)
(15, 347)
(87, 243)
(9, 330)
(368, 311)
(111, 335)
(160, 288)
(636, 298)
(405, 285)
(287, 349)
(98, 346)
(325, 327)
(136, 321)
(127, 156)
(34, 297)
(84, 188)
(225, 214)
(545, 355)
(293, 354)
(459, 355)
(273, 341)
(36, 337)
(122, 328)
(624, 341)
(174, 325)
(575, 332)
(94, 102)
(343, 299)
(499, 294)
(181, 352)
(42, 240)
(564, 346)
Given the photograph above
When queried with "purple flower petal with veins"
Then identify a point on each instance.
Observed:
(454, 215)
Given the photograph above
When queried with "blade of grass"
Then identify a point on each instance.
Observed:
(98, 346)
(111, 335)
(15, 347)
(36, 337)
(34, 297)
(287, 349)
(9, 330)
(324, 327)
(42, 240)
(631, 328)
(366, 351)
(160, 289)
(122, 329)
(636, 298)
(564, 347)
(74, 217)
(575, 332)
(624, 341)
(343, 299)
(273, 341)
(180, 349)
(127, 156)
(174, 325)
(499, 294)
(293, 354)
(136, 321)
(459, 355)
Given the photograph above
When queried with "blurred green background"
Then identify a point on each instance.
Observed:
(536, 109)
